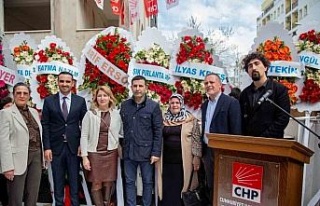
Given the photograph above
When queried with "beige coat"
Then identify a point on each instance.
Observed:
(189, 136)
(14, 140)
(91, 128)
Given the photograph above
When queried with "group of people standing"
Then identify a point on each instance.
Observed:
(173, 143)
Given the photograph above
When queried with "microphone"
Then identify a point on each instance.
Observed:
(264, 97)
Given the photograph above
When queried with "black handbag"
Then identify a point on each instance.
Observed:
(194, 197)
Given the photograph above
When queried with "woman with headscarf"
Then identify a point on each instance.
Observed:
(181, 151)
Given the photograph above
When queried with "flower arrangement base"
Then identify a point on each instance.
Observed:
(296, 113)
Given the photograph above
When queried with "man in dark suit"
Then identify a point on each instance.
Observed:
(61, 119)
(220, 114)
(263, 120)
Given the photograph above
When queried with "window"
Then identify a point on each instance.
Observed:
(300, 14)
(275, 14)
(26, 15)
(278, 11)
(305, 10)
(282, 8)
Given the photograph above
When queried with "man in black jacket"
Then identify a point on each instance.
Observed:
(263, 120)
(142, 128)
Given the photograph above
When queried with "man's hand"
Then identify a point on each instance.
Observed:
(48, 155)
(154, 159)
(9, 175)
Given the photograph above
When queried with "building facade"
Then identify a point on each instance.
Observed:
(74, 21)
(289, 13)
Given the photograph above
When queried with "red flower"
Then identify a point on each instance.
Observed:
(2, 84)
(53, 46)
(303, 36)
(42, 78)
(310, 91)
(194, 48)
(42, 90)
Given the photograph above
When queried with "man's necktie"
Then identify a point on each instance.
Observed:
(64, 108)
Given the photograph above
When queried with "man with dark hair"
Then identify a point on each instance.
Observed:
(142, 126)
(264, 119)
(235, 92)
(5, 102)
(220, 114)
(61, 120)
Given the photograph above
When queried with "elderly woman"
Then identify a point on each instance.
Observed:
(101, 128)
(181, 151)
(21, 148)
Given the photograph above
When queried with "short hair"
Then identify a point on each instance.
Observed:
(65, 73)
(235, 92)
(255, 55)
(213, 74)
(107, 90)
(21, 84)
(139, 77)
(5, 101)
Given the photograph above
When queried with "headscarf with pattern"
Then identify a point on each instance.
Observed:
(179, 118)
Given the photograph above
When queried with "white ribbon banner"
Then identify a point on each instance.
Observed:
(310, 59)
(105, 66)
(55, 67)
(8, 75)
(151, 72)
(197, 71)
(24, 70)
(99, 4)
(133, 10)
(285, 69)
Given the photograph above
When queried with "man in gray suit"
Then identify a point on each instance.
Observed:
(21, 148)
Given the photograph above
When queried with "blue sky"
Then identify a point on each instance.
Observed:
(241, 15)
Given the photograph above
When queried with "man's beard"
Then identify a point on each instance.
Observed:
(255, 76)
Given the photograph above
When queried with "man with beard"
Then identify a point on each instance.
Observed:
(264, 119)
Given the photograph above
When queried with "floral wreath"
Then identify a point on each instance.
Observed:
(52, 57)
(116, 48)
(48, 83)
(23, 54)
(155, 55)
(276, 50)
(192, 49)
(310, 41)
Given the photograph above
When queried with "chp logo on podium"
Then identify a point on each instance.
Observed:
(247, 181)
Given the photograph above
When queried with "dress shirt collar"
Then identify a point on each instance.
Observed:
(62, 95)
(216, 98)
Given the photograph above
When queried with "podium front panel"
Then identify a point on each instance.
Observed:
(247, 182)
